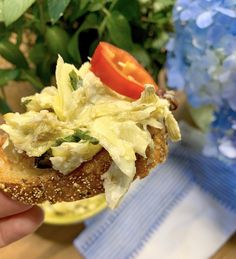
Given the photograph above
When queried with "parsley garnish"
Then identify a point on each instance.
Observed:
(26, 102)
(75, 80)
(76, 137)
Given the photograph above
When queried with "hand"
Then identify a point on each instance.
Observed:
(17, 220)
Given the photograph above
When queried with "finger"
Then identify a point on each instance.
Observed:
(20, 225)
(10, 207)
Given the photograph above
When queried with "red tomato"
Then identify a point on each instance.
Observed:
(120, 71)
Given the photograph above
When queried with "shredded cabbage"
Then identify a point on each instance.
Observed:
(117, 122)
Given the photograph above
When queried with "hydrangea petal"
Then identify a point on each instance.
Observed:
(204, 20)
(204, 55)
(228, 149)
(225, 11)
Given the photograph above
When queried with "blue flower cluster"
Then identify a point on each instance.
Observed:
(221, 141)
(202, 62)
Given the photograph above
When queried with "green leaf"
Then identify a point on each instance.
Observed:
(162, 5)
(57, 41)
(96, 5)
(11, 53)
(79, 8)
(73, 47)
(119, 30)
(1, 11)
(29, 76)
(8, 75)
(141, 55)
(44, 69)
(83, 4)
(13, 9)
(131, 11)
(160, 41)
(37, 53)
(56, 9)
(4, 108)
(90, 22)
(93, 46)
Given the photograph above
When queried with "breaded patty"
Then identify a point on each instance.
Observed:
(22, 181)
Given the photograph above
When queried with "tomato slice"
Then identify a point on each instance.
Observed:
(120, 71)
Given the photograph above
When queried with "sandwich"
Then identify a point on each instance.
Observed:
(102, 126)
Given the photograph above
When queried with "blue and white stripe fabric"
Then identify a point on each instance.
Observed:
(188, 199)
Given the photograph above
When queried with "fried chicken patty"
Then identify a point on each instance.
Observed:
(23, 182)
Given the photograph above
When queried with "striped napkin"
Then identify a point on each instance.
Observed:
(186, 208)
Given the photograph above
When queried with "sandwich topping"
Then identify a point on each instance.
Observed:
(72, 122)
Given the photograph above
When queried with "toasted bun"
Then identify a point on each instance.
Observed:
(23, 182)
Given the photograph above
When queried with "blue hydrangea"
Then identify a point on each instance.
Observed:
(202, 62)
(221, 141)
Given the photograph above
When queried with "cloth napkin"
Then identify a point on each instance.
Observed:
(186, 208)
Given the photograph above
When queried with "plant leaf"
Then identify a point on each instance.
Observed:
(79, 8)
(57, 41)
(73, 47)
(37, 53)
(7, 75)
(56, 9)
(119, 30)
(1, 11)
(141, 55)
(13, 9)
(96, 5)
(90, 22)
(131, 11)
(4, 108)
(162, 5)
(44, 70)
(29, 76)
(11, 53)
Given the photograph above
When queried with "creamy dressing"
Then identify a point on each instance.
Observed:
(118, 123)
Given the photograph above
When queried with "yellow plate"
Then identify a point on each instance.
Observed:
(65, 213)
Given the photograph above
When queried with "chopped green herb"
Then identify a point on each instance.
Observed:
(75, 80)
(76, 137)
(84, 136)
(26, 102)
(70, 138)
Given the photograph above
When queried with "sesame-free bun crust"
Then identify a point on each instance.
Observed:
(23, 182)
